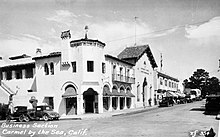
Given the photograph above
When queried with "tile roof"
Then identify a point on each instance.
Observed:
(53, 54)
(136, 53)
(133, 52)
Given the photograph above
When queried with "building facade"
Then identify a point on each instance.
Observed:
(82, 79)
(165, 85)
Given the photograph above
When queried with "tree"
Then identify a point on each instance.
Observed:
(199, 80)
(214, 86)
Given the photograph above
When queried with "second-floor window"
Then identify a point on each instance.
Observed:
(103, 68)
(165, 82)
(74, 66)
(46, 69)
(161, 81)
(51, 68)
(90, 66)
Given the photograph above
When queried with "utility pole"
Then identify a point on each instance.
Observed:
(161, 62)
(135, 19)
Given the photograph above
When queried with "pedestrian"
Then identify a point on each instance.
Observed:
(149, 100)
(210, 133)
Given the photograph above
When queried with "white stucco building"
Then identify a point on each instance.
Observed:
(82, 79)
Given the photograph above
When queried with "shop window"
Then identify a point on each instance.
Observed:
(74, 66)
(49, 101)
(128, 102)
(51, 68)
(122, 102)
(114, 102)
(106, 102)
(29, 73)
(46, 69)
(90, 66)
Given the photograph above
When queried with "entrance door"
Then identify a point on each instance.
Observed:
(71, 104)
(89, 102)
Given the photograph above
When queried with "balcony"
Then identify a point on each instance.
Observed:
(121, 78)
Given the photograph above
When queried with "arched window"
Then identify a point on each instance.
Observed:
(115, 99)
(122, 99)
(106, 97)
(51, 68)
(46, 69)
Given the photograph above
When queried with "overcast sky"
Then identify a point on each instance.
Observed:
(186, 32)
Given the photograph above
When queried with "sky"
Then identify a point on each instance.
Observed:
(185, 32)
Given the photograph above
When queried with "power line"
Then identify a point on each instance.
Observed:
(157, 31)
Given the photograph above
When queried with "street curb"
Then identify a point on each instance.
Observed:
(135, 112)
(70, 119)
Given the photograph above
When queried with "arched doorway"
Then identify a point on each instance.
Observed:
(70, 97)
(144, 91)
(90, 101)
(106, 97)
(122, 98)
(115, 97)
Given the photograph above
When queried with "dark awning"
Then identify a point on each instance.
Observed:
(106, 91)
(69, 92)
(129, 94)
(122, 93)
(115, 92)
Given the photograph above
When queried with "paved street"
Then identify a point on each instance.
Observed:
(176, 121)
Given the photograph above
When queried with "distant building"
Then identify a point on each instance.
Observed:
(166, 84)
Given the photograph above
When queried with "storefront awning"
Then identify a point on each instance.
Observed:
(69, 92)
(122, 93)
(106, 92)
(115, 92)
(129, 94)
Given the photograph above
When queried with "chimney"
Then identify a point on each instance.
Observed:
(38, 51)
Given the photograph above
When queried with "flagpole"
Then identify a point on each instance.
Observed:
(135, 19)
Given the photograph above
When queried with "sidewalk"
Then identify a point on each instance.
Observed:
(91, 116)
(108, 114)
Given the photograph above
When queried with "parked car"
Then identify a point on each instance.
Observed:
(20, 114)
(166, 101)
(44, 112)
(212, 103)
(188, 98)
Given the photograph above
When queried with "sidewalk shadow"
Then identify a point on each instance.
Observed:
(198, 109)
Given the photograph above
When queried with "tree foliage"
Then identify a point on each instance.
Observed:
(201, 80)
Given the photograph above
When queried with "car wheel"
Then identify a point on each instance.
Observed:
(21, 118)
(45, 117)
(8, 118)
(26, 119)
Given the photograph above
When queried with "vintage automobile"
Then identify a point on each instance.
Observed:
(44, 112)
(212, 103)
(166, 101)
(20, 114)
